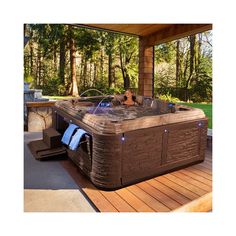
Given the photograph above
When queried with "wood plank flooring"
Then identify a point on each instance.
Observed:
(161, 194)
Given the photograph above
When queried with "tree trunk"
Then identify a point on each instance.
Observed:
(90, 73)
(25, 65)
(55, 57)
(62, 60)
(109, 70)
(85, 73)
(73, 68)
(81, 75)
(31, 53)
(177, 65)
(39, 68)
(114, 76)
(126, 80)
(191, 62)
(198, 54)
(94, 74)
(191, 59)
(31, 60)
(124, 73)
(102, 64)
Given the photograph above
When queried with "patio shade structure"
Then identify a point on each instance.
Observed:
(149, 36)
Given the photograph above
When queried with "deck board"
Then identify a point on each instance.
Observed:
(207, 165)
(178, 188)
(157, 194)
(200, 173)
(197, 177)
(148, 199)
(160, 194)
(203, 169)
(193, 181)
(119, 203)
(186, 184)
(134, 201)
(180, 198)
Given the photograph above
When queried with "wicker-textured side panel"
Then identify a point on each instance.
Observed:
(183, 144)
(122, 159)
(141, 153)
(185, 141)
(81, 159)
(106, 161)
(203, 139)
(151, 152)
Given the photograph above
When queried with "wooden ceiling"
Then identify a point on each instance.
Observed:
(136, 29)
(141, 29)
(153, 33)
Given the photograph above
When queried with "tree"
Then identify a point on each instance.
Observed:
(62, 54)
(177, 64)
(192, 40)
(87, 42)
(73, 64)
(110, 51)
(191, 59)
(128, 51)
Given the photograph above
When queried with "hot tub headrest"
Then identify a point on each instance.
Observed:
(139, 99)
(121, 98)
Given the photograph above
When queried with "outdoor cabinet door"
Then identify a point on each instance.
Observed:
(141, 153)
(184, 141)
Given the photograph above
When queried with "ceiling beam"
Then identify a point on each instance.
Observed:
(176, 31)
(87, 26)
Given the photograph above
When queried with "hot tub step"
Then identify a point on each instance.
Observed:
(41, 151)
(52, 138)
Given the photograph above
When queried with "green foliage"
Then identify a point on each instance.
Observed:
(165, 52)
(28, 79)
(192, 56)
(102, 87)
(207, 108)
(111, 91)
(128, 55)
(98, 58)
(202, 83)
(87, 42)
(168, 97)
(61, 90)
(105, 60)
(51, 87)
(165, 75)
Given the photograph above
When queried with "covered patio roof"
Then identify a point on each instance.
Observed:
(149, 36)
(165, 31)
(136, 29)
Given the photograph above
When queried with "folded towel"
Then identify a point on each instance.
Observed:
(68, 133)
(74, 144)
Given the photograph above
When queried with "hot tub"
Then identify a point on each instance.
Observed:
(124, 145)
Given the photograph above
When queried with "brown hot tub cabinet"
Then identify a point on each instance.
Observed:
(117, 153)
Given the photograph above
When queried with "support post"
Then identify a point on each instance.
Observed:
(146, 68)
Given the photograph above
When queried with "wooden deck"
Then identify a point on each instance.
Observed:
(161, 194)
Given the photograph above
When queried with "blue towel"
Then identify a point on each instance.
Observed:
(74, 143)
(68, 133)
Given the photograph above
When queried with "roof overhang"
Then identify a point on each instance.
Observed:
(155, 33)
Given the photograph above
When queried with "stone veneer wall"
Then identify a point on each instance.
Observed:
(39, 115)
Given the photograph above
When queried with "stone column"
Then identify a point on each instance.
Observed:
(39, 115)
(146, 68)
